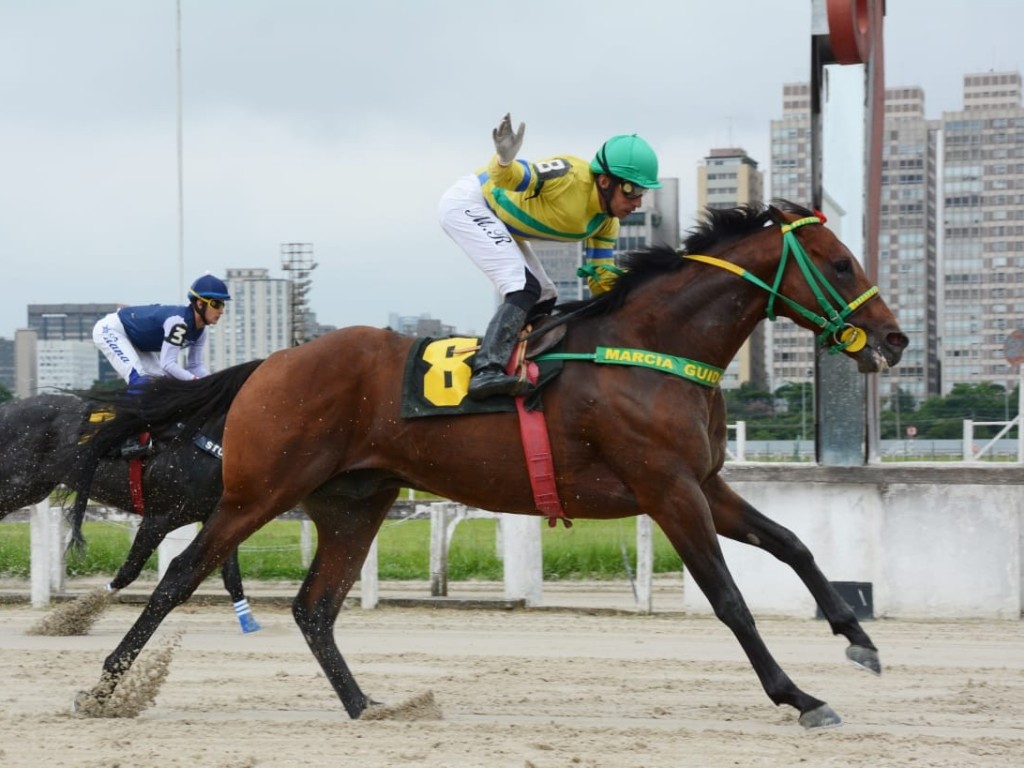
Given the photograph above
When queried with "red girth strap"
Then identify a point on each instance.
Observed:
(135, 479)
(533, 429)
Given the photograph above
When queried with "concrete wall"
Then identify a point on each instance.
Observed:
(934, 541)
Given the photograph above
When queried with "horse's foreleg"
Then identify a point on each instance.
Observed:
(343, 539)
(738, 520)
(693, 537)
(184, 575)
(150, 533)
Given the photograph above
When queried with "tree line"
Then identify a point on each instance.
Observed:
(788, 413)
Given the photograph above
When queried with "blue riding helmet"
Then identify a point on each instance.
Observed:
(209, 287)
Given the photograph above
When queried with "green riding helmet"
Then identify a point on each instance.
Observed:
(630, 158)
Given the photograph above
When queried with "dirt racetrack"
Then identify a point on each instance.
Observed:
(520, 688)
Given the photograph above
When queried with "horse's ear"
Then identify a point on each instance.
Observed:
(776, 215)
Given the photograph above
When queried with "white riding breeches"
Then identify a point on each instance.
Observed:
(486, 240)
(108, 334)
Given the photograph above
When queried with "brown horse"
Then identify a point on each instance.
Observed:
(320, 425)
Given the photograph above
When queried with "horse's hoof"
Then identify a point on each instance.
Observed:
(864, 658)
(820, 717)
(83, 703)
(249, 624)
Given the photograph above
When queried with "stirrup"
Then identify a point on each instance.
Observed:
(490, 382)
(133, 449)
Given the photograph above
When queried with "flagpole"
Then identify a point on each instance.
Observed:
(181, 196)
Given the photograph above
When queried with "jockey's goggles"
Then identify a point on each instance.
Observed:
(214, 303)
(630, 190)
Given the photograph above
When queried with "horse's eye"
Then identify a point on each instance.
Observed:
(844, 267)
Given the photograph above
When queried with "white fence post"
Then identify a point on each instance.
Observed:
(524, 563)
(306, 542)
(174, 544)
(440, 514)
(46, 534)
(968, 447)
(1020, 416)
(369, 584)
(644, 563)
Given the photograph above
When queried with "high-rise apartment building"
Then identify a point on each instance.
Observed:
(257, 320)
(729, 177)
(957, 287)
(789, 348)
(982, 230)
(54, 323)
(66, 364)
(7, 377)
(908, 248)
(561, 260)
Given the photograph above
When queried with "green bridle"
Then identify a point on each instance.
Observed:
(836, 309)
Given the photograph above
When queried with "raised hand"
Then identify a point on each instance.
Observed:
(507, 143)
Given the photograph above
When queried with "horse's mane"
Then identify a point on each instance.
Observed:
(716, 228)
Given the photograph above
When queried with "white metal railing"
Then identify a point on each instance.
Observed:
(973, 452)
(740, 431)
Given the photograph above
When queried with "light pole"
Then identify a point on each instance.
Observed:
(808, 380)
(803, 412)
(896, 410)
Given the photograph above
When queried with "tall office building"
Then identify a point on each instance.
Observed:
(790, 349)
(257, 320)
(561, 260)
(983, 230)
(66, 321)
(729, 177)
(54, 324)
(907, 248)
(7, 377)
(65, 364)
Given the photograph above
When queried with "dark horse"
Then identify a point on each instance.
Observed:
(320, 424)
(181, 484)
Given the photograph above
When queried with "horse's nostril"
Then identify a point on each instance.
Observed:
(897, 340)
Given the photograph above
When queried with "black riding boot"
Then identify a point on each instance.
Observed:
(489, 377)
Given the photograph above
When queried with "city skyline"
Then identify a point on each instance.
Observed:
(925, 203)
(280, 147)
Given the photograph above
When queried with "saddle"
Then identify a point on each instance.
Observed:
(437, 372)
(539, 336)
(146, 443)
(436, 383)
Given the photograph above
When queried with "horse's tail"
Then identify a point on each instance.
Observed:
(162, 402)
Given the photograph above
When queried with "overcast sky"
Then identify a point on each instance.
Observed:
(341, 123)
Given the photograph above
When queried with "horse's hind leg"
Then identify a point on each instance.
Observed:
(736, 519)
(692, 534)
(150, 533)
(344, 537)
(231, 574)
